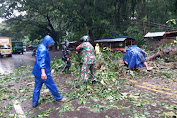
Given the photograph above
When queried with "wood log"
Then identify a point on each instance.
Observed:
(162, 52)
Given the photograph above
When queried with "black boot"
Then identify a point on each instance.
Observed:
(93, 82)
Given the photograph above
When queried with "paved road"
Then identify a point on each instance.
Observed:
(8, 64)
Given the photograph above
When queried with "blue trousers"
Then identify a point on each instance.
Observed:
(50, 85)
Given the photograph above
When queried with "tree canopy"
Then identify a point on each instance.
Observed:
(71, 19)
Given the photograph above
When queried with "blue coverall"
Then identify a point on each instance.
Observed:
(43, 61)
(133, 57)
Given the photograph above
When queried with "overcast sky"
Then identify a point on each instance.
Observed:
(15, 14)
(1, 20)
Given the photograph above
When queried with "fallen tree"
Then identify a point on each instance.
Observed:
(171, 50)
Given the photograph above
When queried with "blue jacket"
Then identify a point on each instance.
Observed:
(133, 58)
(43, 57)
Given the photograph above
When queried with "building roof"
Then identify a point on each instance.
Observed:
(154, 34)
(114, 39)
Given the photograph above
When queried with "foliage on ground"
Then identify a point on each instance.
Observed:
(116, 93)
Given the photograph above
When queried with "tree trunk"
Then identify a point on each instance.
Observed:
(90, 32)
(162, 52)
(52, 31)
(115, 15)
(133, 4)
(91, 36)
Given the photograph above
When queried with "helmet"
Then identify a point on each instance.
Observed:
(85, 39)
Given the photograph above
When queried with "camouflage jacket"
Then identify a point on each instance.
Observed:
(88, 55)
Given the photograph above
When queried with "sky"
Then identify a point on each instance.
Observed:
(1, 20)
(15, 14)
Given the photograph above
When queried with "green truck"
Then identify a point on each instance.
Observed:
(17, 47)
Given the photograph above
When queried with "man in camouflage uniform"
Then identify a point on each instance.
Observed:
(88, 58)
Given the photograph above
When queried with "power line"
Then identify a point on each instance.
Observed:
(152, 23)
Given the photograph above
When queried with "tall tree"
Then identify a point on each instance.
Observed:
(71, 19)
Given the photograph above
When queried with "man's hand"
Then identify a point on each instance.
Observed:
(146, 54)
(43, 75)
(67, 59)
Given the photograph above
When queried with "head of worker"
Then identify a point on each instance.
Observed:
(48, 41)
(66, 43)
(97, 44)
(85, 39)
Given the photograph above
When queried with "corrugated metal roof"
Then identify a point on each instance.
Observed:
(111, 39)
(154, 34)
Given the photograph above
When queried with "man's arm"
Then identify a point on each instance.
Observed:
(144, 52)
(80, 46)
(41, 62)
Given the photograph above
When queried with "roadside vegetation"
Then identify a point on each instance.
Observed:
(116, 94)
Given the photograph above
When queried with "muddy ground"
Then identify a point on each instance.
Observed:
(141, 95)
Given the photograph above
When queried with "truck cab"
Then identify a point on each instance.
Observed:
(5, 46)
(17, 47)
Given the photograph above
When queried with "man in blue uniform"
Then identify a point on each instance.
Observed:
(135, 58)
(42, 73)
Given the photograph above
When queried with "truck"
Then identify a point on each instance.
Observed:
(5, 46)
(17, 47)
